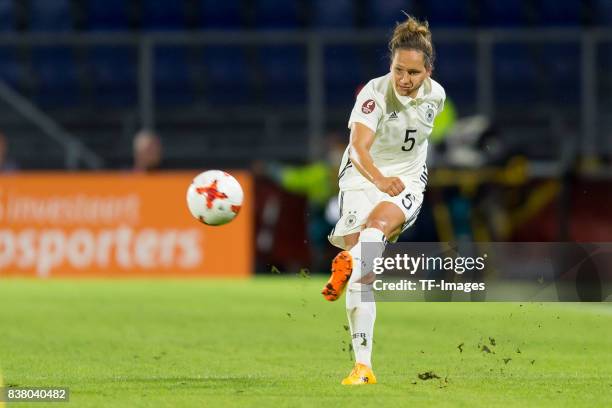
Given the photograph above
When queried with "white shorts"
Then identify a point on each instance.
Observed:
(356, 206)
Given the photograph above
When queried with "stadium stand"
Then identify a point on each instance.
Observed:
(509, 13)
(227, 74)
(272, 14)
(452, 13)
(7, 16)
(113, 76)
(284, 75)
(514, 69)
(55, 71)
(226, 14)
(454, 67)
(46, 16)
(604, 67)
(59, 78)
(602, 11)
(163, 15)
(336, 14)
(11, 70)
(344, 72)
(559, 13)
(383, 14)
(560, 79)
(172, 76)
(106, 15)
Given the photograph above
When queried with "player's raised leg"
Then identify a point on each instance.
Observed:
(341, 269)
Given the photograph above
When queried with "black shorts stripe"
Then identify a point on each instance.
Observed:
(412, 219)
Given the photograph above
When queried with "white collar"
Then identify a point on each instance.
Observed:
(405, 100)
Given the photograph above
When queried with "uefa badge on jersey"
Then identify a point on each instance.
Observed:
(429, 114)
(368, 106)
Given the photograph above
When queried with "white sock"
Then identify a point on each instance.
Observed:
(360, 305)
(361, 321)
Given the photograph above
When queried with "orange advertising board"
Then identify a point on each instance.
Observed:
(116, 225)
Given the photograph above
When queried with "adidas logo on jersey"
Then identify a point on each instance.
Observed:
(393, 115)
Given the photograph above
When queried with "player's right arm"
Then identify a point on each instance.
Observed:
(362, 138)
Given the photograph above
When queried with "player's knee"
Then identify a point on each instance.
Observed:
(378, 224)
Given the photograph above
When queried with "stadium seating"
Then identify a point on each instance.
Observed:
(333, 14)
(515, 74)
(284, 74)
(10, 67)
(55, 70)
(559, 13)
(172, 76)
(227, 73)
(602, 11)
(274, 14)
(604, 65)
(163, 15)
(232, 76)
(216, 14)
(604, 90)
(450, 13)
(7, 16)
(508, 13)
(455, 69)
(377, 60)
(113, 73)
(45, 15)
(561, 65)
(384, 14)
(107, 15)
(344, 73)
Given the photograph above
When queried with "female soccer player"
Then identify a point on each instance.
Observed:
(383, 176)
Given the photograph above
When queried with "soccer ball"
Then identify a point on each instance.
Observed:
(214, 197)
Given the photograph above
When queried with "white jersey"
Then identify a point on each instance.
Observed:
(402, 126)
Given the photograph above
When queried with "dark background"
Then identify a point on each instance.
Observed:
(268, 86)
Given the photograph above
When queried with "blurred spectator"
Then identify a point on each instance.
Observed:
(317, 182)
(7, 165)
(465, 142)
(147, 151)
(444, 122)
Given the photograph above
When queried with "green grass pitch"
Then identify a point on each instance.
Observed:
(275, 342)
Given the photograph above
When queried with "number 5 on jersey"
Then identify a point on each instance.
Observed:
(409, 140)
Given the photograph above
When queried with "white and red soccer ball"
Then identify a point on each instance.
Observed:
(214, 197)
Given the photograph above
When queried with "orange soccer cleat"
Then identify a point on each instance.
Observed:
(342, 267)
(361, 375)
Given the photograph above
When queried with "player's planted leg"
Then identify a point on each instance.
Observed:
(361, 308)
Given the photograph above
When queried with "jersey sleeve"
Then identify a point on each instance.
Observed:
(367, 109)
(441, 101)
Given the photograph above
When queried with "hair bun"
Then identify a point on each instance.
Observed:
(413, 34)
(415, 26)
